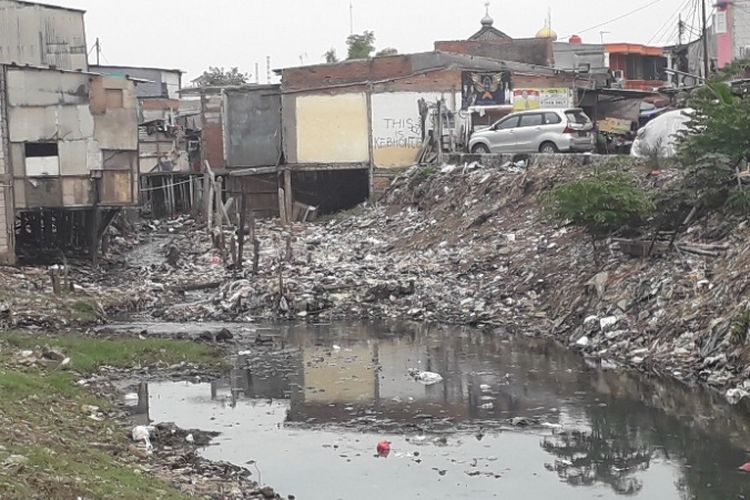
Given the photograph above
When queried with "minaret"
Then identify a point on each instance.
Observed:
(487, 20)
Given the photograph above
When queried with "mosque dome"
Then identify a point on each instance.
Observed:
(547, 32)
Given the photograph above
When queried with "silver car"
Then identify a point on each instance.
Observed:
(537, 131)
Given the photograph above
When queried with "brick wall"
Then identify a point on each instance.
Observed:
(379, 68)
(529, 51)
(7, 211)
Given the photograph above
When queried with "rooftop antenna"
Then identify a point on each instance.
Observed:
(257, 74)
(268, 69)
(351, 17)
(549, 17)
(98, 50)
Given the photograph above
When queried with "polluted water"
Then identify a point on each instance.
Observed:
(335, 411)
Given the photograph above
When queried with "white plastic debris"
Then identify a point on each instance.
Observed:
(190, 439)
(427, 378)
(735, 395)
(608, 322)
(143, 433)
(583, 342)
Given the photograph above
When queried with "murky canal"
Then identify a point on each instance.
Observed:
(513, 418)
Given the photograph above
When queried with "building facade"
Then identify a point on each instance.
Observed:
(731, 29)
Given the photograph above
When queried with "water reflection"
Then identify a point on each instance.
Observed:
(602, 429)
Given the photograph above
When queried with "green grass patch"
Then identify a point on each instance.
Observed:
(46, 417)
(88, 354)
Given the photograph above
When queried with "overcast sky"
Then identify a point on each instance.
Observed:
(192, 35)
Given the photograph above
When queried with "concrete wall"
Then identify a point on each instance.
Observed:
(252, 127)
(93, 123)
(397, 128)
(331, 128)
(42, 36)
(7, 214)
(570, 56)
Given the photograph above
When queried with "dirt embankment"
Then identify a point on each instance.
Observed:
(677, 313)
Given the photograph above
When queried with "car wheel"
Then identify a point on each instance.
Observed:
(480, 149)
(548, 148)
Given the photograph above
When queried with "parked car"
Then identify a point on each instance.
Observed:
(537, 131)
(659, 137)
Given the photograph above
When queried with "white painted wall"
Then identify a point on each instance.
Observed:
(396, 126)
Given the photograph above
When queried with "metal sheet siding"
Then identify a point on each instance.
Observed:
(252, 128)
(42, 36)
(332, 128)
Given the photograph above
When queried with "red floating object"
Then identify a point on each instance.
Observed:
(745, 467)
(384, 448)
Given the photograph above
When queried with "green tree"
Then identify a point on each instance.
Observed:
(361, 46)
(390, 51)
(601, 204)
(330, 56)
(716, 145)
(218, 77)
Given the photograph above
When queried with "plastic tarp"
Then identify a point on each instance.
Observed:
(661, 133)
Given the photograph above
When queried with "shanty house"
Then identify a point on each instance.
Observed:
(68, 153)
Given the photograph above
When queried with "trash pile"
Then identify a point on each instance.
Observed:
(469, 245)
(464, 245)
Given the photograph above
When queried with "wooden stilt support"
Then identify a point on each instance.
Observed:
(241, 235)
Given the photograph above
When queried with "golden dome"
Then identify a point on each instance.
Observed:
(547, 32)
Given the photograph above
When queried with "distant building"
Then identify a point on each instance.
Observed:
(731, 27)
(157, 82)
(493, 43)
(637, 67)
(42, 35)
(574, 55)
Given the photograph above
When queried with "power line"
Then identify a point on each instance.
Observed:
(665, 30)
(623, 16)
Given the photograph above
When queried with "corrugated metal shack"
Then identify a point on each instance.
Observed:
(167, 180)
(70, 147)
(240, 129)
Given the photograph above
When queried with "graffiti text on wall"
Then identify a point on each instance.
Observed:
(399, 133)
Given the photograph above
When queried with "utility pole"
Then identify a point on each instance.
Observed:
(706, 67)
(680, 31)
(268, 69)
(98, 50)
(257, 74)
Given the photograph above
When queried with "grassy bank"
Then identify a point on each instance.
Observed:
(60, 445)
